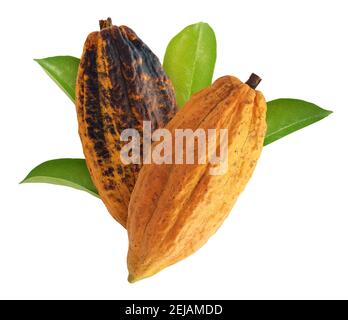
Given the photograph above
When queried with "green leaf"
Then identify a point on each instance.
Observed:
(66, 172)
(285, 116)
(63, 71)
(189, 60)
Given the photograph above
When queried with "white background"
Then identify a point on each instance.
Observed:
(287, 237)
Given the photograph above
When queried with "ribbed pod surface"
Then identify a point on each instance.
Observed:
(176, 208)
(120, 83)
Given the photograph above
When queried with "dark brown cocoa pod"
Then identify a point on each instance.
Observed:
(120, 84)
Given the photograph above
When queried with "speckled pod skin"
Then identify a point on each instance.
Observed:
(176, 208)
(120, 83)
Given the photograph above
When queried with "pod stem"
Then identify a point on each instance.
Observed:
(253, 81)
(103, 24)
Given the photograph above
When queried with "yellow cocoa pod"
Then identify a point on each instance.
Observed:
(175, 208)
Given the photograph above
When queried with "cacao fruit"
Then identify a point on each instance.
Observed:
(176, 208)
(120, 83)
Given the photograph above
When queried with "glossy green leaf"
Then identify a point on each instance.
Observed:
(63, 71)
(189, 60)
(66, 172)
(285, 116)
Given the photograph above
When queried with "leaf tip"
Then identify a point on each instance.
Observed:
(327, 113)
(38, 61)
(26, 179)
(204, 24)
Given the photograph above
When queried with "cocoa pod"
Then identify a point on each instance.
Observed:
(175, 208)
(120, 83)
